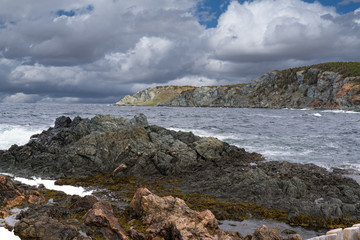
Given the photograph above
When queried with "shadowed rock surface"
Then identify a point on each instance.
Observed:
(206, 166)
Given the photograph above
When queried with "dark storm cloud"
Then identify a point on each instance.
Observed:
(91, 51)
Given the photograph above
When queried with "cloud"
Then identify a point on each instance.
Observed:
(90, 51)
(21, 98)
(259, 36)
(345, 2)
(190, 80)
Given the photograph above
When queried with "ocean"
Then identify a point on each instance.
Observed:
(328, 138)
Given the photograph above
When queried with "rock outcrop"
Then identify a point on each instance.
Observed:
(154, 96)
(104, 144)
(328, 85)
(122, 148)
(147, 217)
(12, 195)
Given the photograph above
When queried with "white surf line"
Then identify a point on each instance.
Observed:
(6, 234)
(50, 184)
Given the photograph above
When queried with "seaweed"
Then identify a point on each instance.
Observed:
(124, 188)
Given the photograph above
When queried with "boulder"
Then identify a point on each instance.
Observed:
(171, 218)
(101, 216)
(265, 233)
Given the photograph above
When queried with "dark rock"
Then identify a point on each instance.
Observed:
(122, 148)
(62, 122)
(102, 216)
(46, 228)
(85, 203)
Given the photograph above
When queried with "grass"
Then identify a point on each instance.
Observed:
(346, 69)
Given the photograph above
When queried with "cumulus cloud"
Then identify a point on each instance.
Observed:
(90, 51)
(345, 2)
(21, 98)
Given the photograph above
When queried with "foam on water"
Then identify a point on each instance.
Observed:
(340, 111)
(6, 234)
(14, 134)
(50, 184)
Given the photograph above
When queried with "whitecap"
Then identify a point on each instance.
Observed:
(339, 111)
(19, 135)
(317, 115)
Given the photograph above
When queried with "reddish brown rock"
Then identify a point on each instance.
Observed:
(19, 200)
(171, 218)
(265, 233)
(102, 216)
(8, 190)
(295, 237)
(35, 198)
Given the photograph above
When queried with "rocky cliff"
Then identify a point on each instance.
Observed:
(328, 85)
(154, 96)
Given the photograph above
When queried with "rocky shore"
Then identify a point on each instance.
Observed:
(326, 86)
(122, 156)
(50, 215)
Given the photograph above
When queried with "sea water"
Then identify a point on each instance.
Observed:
(327, 138)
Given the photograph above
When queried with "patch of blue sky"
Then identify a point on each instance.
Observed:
(73, 12)
(342, 7)
(209, 11)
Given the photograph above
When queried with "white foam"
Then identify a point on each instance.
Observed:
(6, 234)
(50, 184)
(317, 115)
(19, 135)
(339, 111)
(203, 133)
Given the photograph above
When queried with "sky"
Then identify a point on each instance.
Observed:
(93, 51)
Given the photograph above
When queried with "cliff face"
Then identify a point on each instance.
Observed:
(328, 85)
(302, 88)
(154, 96)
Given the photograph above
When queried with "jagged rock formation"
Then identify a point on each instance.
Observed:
(208, 166)
(104, 144)
(328, 85)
